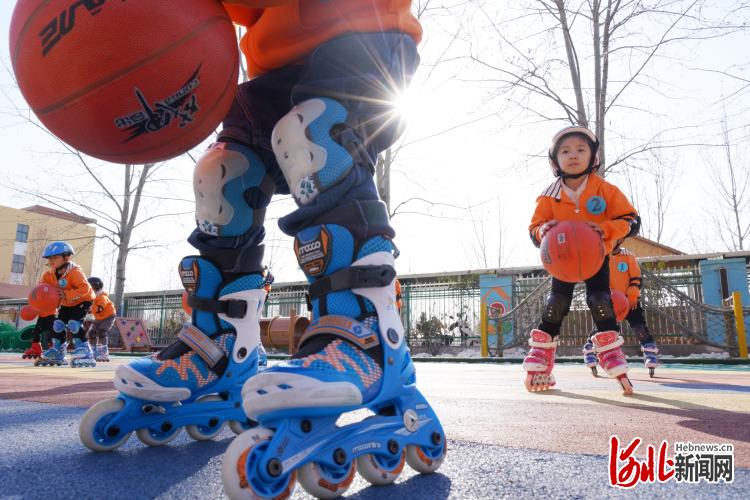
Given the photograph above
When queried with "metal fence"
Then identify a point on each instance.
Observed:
(443, 310)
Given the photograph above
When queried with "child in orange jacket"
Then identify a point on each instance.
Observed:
(625, 276)
(579, 194)
(104, 314)
(76, 297)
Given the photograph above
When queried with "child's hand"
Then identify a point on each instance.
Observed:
(596, 227)
(546, 227)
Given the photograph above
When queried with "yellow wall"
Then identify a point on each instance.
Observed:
(42, 230)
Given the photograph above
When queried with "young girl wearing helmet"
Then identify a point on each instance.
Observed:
(579, 194)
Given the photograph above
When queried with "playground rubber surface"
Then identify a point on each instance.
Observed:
(503, 441)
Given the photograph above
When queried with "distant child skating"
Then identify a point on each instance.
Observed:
(76, 297)
(104, 314)
(579, 194)
(625, 276)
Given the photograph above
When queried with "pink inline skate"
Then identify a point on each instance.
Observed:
(612, 359)
(539, 362)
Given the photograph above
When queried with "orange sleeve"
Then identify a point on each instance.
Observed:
(78, 289)
(623, 218)
(634, 287)
(542, 213)
(48, 278)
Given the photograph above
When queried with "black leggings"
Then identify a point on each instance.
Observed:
(65, 314)
(597, 283)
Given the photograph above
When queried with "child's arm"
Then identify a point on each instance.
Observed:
(634, 288)
(624, 222)
(79, 287)
(541, 221)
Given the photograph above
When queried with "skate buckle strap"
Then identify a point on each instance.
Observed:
(614, 345)
(354, 277)
(547, 345)
(201, 344)
(230, 308)
(343, 327)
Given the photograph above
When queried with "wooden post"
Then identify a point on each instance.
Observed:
(739, 320)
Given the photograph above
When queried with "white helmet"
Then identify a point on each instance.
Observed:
(593, 144)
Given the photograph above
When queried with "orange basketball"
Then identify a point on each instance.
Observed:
(134, 81)
(621, 304)
(44, 298)
(28, 313)
(572, 251)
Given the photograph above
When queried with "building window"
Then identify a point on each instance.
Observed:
(22, 233)
(18, 261)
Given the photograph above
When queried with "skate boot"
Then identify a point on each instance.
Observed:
(650, 357)
(196, 382)
(540, 361)
(54, 356)
(352, 356)
(83, 355)
(32, 352)
(589, 357)
(101, 353)
(612, 359)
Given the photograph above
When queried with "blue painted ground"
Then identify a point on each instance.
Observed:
(41, 457)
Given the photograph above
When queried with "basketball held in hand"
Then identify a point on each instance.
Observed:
(572, 251)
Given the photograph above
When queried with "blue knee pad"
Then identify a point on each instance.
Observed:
(58, 326)
(222, 178)
(315, 148)
(74, 326)
(325, 254)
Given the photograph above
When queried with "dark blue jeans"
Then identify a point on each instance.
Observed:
(362, 71)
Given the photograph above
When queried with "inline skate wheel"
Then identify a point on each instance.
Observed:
(215, 424)
(651, 372)
(324, 481)
(157, 437)
(627, 385)
(238, 427)
(380, 470)
(91, 429)
(427, 460)
(594, 372)
(240, 463)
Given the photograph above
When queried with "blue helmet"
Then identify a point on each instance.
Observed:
(58, 248)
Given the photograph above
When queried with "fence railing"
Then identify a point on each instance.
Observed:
(444, 310)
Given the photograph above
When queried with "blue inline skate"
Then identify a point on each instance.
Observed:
(101, 353)
(589, 357)
(650, 357)
(54, 356)
(196, 382)
(352, 356)
(83, 355)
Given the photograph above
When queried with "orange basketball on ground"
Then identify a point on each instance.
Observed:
(28, 313)
(572, 251)
(44, 298)
(134, 81)
(621, 304)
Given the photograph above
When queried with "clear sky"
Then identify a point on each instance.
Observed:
(481, 178)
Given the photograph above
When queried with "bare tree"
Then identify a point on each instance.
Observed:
(731, 178)
(605, 47)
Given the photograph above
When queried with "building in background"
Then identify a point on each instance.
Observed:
(25, 232)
